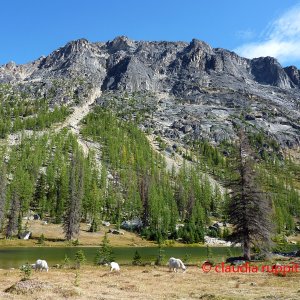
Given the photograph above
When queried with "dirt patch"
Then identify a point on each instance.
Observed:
(67, 292)
(27, 287)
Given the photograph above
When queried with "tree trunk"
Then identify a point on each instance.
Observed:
(2, 195)
(12, 224)
(247, 255)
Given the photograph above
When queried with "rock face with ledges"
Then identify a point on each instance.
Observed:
(213, 86)
(129, 63)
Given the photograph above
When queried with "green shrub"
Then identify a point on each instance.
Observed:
(66, 262)
(94, 226)
(79, 258)
(41, 239)
(137, 259)
(26, 271)
(75, 243)
(104, 255)
(160, 256)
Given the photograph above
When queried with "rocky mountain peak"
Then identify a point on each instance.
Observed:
(10, 65)
(196, 44)
(74, 47)
(77, 45)
(294, 74)
(120, 43)
(267, 70)
(213, 85)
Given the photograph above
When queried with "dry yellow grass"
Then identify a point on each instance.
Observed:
(294, 238)
(55, 237)
(153, 283)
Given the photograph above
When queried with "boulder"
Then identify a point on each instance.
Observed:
(186, 128)
(110, 177)
(239, 260)
(178, 226)
(115, 231)
(176, 125)
(25, 235)
(36, 217)
(249, 118)
(133, 224)
(215, 241)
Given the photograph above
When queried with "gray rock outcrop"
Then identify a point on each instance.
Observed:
(213, 87)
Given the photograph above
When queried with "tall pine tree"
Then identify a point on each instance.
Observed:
(72, 215)
(249, 209)
(3, 183)
(12, 225)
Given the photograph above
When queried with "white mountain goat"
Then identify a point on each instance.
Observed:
(40, 265)
(114, 267)
(175, 264)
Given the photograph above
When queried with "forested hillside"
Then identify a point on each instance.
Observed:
(36, 176)
(142, 187)
(19, 111)
(48, 173)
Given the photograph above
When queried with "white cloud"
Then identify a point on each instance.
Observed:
(281, 39)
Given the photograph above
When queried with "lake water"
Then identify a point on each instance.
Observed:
(14, 257)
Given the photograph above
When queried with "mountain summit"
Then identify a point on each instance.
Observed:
(213, 86)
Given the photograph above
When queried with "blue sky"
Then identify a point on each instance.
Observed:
(31, 28)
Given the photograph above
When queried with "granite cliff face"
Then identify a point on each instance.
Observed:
(194, 90)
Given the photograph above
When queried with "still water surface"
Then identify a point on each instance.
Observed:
(13, 257)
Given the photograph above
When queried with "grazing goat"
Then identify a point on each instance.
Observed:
(175, 264)
(114, 267)
(40, 265)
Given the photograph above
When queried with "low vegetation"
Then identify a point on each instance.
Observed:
(134, 282)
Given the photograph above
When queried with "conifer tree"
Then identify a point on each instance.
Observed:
(62, 190)
(25, 188)
(249, 209)
(144, 195)
(40, 194)
(79, 258)
(72, 215)
(105, 254)
(3, 183)
(137, 259)
(12, 225)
